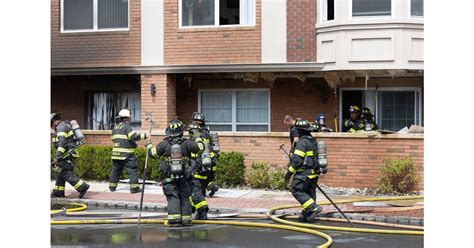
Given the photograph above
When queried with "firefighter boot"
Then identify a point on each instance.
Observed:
(314, 213)
(135, 190)
(302, 217)
(84, 189)
(57, 195)
(202, 213)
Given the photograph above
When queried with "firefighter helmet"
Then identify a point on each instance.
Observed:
(175, 128)
(354, 108)
(56, 116)
(198, 117)
(124, 113)
(303, 125)
(366, 111)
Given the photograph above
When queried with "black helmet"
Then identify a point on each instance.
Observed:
(193, 125)
(198, 117)
(366, 111)
(303, 125)
(56, 116)
(175, 128)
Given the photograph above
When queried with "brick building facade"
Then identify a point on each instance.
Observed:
(245, 66)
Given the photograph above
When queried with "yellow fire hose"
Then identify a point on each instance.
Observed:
(80, 207)
(216, 222)
(292, 226)
(347, 229)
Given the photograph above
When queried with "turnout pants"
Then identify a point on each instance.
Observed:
(303, 189)
(177, 193)
(67, 175)
(130, 163)
(198, 201)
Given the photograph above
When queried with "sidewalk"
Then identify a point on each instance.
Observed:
(248, 201)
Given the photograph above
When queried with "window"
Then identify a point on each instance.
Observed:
(416, 8)
(104, 106)
(94, 15)
(216, 12)
(328, 10)
(371, 7)
(393, 109)
(236, 110)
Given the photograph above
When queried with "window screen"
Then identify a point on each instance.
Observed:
(113, 14)
(78, 14)
(252, 108)
(397, 109)
(217, 108)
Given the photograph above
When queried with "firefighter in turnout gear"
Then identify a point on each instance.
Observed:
(352, 124)
(176, 170)
(304, 170)
(65, 143)
(125, 139)
(206, 174)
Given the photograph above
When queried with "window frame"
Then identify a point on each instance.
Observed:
(414, 16)
(351, 17)
(234, 123)
(216, 17)
(323, 11)
(418, 115)
(95, 20)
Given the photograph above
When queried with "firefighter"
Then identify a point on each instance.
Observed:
(289, 122)
(211, 141)
(65, 157)
(176, 170)
(304, 171)
(125, 139)
(321, 124)
(354, 121)
(368, 120)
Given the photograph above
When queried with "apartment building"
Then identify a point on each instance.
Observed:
(245, 64)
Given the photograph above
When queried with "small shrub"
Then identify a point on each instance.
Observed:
(277, 179)
(258, 176)
(230, 169)
(397, 175)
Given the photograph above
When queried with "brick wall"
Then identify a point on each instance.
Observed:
(163, 104)
(301, 32)
(221, 45)
(354, 159)
(288, 96)
(68, 93)
(96, 49)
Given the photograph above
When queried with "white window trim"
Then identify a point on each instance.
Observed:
(216, 18)
(414, 16)
(392, 8)
(323, 11)
(95, 21)
(234, 108)
(415, 89)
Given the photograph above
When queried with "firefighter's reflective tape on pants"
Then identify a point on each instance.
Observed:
(186, 217)
(78, 184)
(59, 188)
(61, 149)
(200, 205)
(125, 150)
(118, 158)
(174, 216)
(308, 203)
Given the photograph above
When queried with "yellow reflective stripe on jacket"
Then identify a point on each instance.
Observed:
(153, 152)
(191, 201)
(119, 136)
(307, 203)
(213, 154)
(78, 184)
(67, 135)
(194, 155)
(291, 169)
(61, 149)
(299, 153)
(309, 153)
(199, 176)
(142, 136)
(200, 205)
(118, 158)
(129, 135)
(214, 168)
(126, 150)
(313, 176)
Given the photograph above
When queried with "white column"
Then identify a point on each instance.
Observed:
(152, 48)
(274, 31)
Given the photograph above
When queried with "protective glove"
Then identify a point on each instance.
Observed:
(323, 170)
(148, 145)
(288, 176)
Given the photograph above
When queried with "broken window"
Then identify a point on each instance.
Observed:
(103, 107)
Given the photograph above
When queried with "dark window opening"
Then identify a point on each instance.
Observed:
(229, 11)
(330, 10)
